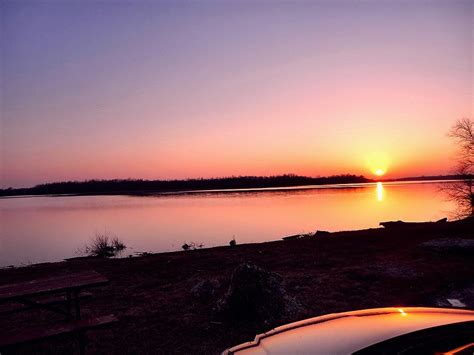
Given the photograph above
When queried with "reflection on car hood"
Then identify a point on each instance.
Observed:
(345, 333)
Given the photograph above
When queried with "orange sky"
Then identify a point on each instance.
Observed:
(175, 90)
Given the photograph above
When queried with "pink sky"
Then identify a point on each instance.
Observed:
(175, 90)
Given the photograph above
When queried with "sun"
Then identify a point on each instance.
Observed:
(378, 163)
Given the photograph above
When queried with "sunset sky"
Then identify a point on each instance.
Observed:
(154, 89)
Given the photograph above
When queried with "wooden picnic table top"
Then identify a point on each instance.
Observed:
(71, 281)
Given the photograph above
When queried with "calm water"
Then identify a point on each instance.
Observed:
(39, 229)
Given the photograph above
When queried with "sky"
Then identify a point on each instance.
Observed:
(178, 89)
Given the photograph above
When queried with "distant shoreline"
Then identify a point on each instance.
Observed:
(197, 186)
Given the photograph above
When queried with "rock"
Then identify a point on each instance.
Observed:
(455, 303)
(254, 295)
(205, 289)
(460, 297)
(321, 233)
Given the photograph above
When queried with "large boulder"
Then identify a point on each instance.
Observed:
(254, 295)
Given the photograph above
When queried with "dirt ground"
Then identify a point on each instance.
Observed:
(151, 295)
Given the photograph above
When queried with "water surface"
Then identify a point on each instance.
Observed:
(40, 229)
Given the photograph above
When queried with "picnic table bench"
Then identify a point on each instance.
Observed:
(68, 287)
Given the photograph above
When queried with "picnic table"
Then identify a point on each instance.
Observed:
(61, 290)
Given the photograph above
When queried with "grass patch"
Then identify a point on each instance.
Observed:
(192, 246)
(104, 245)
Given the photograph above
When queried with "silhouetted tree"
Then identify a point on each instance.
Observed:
(462, 192)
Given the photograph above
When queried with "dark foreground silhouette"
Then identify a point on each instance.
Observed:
(195, 301)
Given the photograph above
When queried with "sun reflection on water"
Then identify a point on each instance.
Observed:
(380, 192)
(402, 312)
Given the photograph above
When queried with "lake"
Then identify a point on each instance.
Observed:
(42, 229)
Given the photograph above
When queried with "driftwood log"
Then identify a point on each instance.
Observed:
(401, 224)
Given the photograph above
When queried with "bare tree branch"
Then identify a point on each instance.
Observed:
(462, 192)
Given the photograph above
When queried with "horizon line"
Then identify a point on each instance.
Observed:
(224, 177)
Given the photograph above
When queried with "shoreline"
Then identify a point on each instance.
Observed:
(421, 265)
(146, 193)
(138, 254)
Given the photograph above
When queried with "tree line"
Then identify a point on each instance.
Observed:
(137, 186)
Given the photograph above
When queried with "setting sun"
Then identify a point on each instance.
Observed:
(378, 163)
(379, 172)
